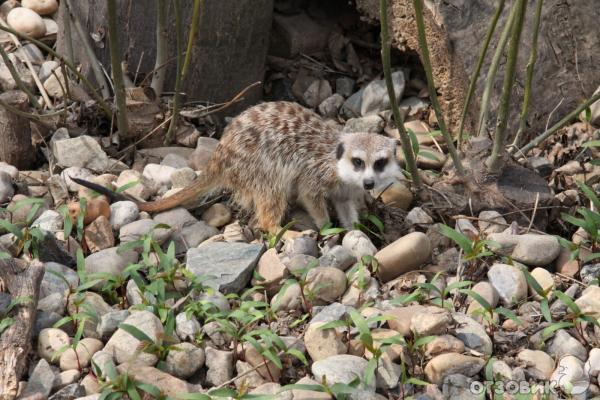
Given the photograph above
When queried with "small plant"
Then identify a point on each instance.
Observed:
(148, 345)
(590, 223)
(27, 238)
(543, 293)
(487, 311)
(300, 278)
(274, 239)
(442, 294)
(472, 248)
(328, 231)
(121, 385)
(371, 224)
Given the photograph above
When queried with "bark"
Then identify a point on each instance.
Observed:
(16, 147)
(20, 279)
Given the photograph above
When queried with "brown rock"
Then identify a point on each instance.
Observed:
(401, 317)
(452, 363)
(272, 271)
(217, 215)
(403, 255)
(99, 235)
(444, 344)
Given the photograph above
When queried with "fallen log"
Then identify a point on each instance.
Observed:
(22, 280)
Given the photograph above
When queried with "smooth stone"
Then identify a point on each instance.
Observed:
(26, 21)
(563, 344)
(472, 334)
(538, 363)
(452, 363)
(359, 244)
(51, 340)
(184, 360)
(509, 281)
(123, 213)
(323, 343)
(217, 215)
(40, 382)
(220, 366)
(326, 284)
(85, 349)
(342, 368)
(337, 257)
(529, 249)
(402, 256)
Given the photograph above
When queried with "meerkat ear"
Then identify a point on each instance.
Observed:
(339, 152)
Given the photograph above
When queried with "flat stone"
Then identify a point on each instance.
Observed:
(229, 264)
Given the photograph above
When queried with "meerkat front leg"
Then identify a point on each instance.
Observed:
(316, 206)
(347, 213)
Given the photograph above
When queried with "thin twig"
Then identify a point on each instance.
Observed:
(473, 83)
(105, 107)
(535, 206)
(15, 75)
(560, 124)
(159, 74)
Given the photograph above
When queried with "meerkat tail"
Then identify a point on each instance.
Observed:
(195, 189)
(200, 186)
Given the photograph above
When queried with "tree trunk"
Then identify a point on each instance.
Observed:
(20, 279)
(566, 67)
(229, 52)
(15, 132)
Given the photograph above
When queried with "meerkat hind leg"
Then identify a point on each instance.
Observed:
(347, 213)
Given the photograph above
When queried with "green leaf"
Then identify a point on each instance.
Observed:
(150, 389)
(533, 282)
(136, 333)
(25, 202)
(463, 242)
(377, 222)
(223, 392)
(414, 142)
(568, 302)
(549, 331)
(126, 186)
(591, 143)
(423, 341)
(132, 392)
(508, 314)
(477, 297)
(545, 310)
(194, 396)
(5, 323)
(362, 327)
(370, 370)
(298, 354)
(333, 325)
(5, 256)
(11, 228)
(415, 381)
(406, 298)
(268, 354)
(457, 285)
(429, 155)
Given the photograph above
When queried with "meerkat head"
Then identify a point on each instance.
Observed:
(367, 160)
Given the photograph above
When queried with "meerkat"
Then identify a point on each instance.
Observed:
(277, 153)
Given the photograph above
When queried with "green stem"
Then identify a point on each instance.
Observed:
(493, 70)
(89, 51)
(117, 71)
(158, 79)
(105, 107)
(476, 72)
(411, 165)
(15, 75)
(559, 124)
(494, 162)
(418, 5)
(529, 79)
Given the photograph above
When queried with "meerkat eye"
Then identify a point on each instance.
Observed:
(380, 164)
(358, 163)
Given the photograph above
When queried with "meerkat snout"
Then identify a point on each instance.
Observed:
(367, 160)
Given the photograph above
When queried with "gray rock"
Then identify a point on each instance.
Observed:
(509, 282)
(229, 264)
(413, 106)
(123, 213)
(182, 177)
(337, 257)
(69, 392)
(331, 312)
(159, 174)
(174, 160)
(82, 151)
(44, 320)
(359, 244)
(192, 235)
(589, 273)
(352, 106)
(342, 368)
(124, 346)
(51, 283)
(418, 216)
(184, 360)
(40, 381)
(488, 227)
(330, 107)
(317, 92)
(344, 86)
(472, 334)
(571, 378)
(6, 188)
(298, 263)
(301, 245)
(563, 344)
(50, 221)
(186, 329)
(110, 261)
(220, 366)
(100, 359)
(135, 230)
(135, 296)
(541, 165)
(375, 96)
(216, 298)
(53, 303)
(529, 249)
(46, 69)
(75, 172)
(370, 123)
(176, 218)
(10, 170)
(110, 321)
